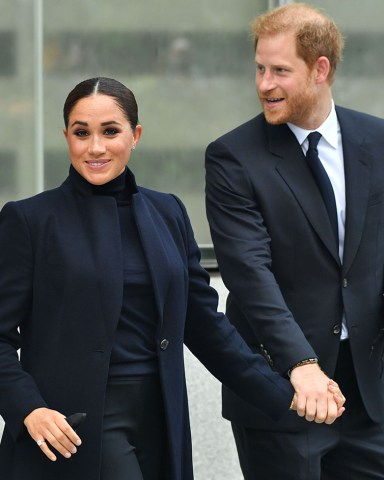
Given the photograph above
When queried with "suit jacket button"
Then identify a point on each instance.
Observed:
(164, 344)
(336, 329)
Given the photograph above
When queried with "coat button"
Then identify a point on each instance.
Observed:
(336, 329)
(164, 344)
(345, 283)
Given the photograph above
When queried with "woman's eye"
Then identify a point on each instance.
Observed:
(81, 133)
(111, 131)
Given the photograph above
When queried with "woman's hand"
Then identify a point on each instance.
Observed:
(334, 389)
(49, 428)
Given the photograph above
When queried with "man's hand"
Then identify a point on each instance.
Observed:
(49, 428)
(317, 397)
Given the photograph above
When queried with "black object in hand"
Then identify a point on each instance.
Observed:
(76, 419)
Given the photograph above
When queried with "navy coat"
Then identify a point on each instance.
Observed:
(61, 288)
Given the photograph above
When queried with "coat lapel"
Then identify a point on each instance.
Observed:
(103, 242)
(295, 172)
(100, 216)
(155, 249)
(98, 232)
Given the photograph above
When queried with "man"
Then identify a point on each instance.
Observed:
(304, 267)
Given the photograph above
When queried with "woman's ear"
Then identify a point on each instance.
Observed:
(137, 134)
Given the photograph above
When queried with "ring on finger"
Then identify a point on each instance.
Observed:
(40, 442)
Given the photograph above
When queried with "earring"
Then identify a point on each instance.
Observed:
(133, 147)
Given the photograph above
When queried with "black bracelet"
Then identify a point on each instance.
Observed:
(307, 361)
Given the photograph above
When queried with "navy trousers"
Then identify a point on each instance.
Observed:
(352, 448)
(134, 442)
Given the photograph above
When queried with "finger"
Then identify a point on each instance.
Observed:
(321, 415)
(42, 444)
(301, 402)
(60, 442)
(56, 438)
(340, 411)
(69, 432)
(334, 389)
(339, 398)
(333, 383)
(332, 411)
(320, 407)
(311, 409)
(338, 395)
(293, 403)
(58, 446)
(321, 412)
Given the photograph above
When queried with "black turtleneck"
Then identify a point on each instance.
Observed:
(134, 351)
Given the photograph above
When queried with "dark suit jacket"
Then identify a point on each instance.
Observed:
(61, 282)
(278, 258)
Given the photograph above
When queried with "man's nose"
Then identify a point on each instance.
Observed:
(265, 81)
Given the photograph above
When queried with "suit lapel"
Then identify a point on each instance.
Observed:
(295, 172)
(357, 180)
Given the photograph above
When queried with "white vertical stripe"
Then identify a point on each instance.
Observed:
(39, 104)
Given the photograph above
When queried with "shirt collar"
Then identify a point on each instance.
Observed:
(329, 129)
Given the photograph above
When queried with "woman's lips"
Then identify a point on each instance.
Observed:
(97, 163)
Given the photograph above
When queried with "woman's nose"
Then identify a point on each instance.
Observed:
(96, 145)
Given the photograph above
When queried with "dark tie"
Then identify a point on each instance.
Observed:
(322, 181)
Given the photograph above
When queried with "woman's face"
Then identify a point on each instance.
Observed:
(100, 138)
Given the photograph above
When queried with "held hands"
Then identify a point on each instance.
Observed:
(49, 428)
(317, 397)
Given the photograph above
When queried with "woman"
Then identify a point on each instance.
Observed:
(100, 286)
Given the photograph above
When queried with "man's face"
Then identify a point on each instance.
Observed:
(285, 85)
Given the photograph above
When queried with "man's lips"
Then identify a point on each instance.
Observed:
(273, 100)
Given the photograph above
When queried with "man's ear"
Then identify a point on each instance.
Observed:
(322, 68)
